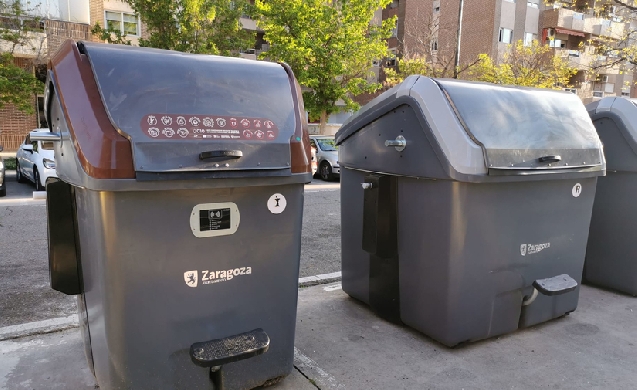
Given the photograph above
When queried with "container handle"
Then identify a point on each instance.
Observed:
(550, 159)
(224, 154)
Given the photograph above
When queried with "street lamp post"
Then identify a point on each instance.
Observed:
(459, 36)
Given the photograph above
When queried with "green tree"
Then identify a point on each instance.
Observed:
(329, 44)
(110, 35)
(20, 34)
(195, 26)
(529, 66)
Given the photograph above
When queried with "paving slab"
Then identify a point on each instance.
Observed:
(51, 361)
(57, 361)
(346, 346)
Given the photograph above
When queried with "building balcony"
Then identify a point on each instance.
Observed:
(569, 20)
(248, 24)
(579, 59)
(609, 29)
(35, 46)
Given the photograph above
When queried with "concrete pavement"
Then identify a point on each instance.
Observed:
(341, 344)
(351, 348)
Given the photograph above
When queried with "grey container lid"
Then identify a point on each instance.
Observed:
(173, 106)
(623, 112)
(488, 129)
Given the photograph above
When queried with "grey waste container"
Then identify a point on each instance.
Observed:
(177, 215)
(466, 206)
(611, 256)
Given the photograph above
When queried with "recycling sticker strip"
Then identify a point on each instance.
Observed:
(192, 127)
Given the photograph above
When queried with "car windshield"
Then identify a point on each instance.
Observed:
(327, 145)
(47, 145)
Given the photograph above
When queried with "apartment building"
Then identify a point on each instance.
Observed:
(430, 27)
(60, 20)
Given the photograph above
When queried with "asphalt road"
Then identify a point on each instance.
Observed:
(15, 189)
(25, 295)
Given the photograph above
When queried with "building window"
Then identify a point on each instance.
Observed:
(510, 1)
(533, 4)
(529, 38)
(556, 43)
(394, 31)
(505, 35)
(127, 24)
(436, 9)
(434, 45)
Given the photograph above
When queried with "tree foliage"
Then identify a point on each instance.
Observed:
(110, 35)
(617, 47)
(529, 66)
(195, 26)
(19, 35)
(330, 45)
(427, 66)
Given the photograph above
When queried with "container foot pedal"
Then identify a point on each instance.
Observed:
(215, 353)
(557, 285)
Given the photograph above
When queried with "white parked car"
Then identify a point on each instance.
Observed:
(326, 156)
(3, 184)
(35, 161)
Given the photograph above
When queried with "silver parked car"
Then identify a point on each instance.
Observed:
(326, 156)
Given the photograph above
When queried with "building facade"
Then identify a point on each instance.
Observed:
(61, 20)
(572, 29)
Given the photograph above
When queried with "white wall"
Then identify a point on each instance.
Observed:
(67, 10)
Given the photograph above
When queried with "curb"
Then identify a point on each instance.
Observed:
(62, 323)
(39, 327)
(320, 279)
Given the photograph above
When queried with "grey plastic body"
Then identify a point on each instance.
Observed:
(469, 240)
(611, 256)
(141, 317)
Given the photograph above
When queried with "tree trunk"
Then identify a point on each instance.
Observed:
(323, 125)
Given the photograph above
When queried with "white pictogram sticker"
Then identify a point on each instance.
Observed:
(268, 124)
(245, 123)
(259, 134)
(153, 132)
(208, 122)
(577, 190)
(194, 121)
(233, 122)
(168, 132)
(152, 120)
(247, 134)
(221, 122)
(183, 132)
(166, 120)
(181, 121)
(277, 204)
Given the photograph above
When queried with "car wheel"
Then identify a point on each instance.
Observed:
(18, 174)
(36, 177)
(326, 171)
